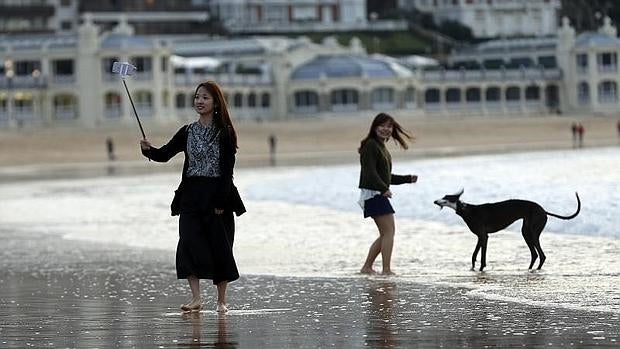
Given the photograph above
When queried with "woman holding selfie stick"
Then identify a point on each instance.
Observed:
(206, 198)
(375, 179)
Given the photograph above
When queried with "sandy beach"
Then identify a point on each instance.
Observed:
(64, 282)
(312, 141)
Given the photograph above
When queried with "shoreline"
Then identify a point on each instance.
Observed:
(91, 295)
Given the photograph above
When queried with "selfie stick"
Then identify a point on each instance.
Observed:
(125, 69)
(134, 108)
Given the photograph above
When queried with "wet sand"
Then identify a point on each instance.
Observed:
(59, 293)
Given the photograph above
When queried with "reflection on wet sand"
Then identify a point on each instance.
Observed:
(213, 339)
(381, 327)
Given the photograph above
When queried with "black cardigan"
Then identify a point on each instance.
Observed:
(227, 194)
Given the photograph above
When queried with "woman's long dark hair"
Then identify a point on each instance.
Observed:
(221, 117)
(399, 134)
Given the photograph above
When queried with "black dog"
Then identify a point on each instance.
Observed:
(489, 218)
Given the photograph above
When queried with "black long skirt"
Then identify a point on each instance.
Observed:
(205, 248)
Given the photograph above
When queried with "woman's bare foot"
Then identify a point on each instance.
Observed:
(222, 308)
(194, 305)
(387, 273)
(368, 271)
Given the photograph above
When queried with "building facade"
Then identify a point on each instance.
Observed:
(495, 18)
(67, 79)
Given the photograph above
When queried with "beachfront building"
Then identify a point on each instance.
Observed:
(297, 16)
(494, 18)
(38, 16)
(67, 79)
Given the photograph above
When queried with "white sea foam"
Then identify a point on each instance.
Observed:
(304, 222)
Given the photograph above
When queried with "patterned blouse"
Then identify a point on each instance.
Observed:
(203, 149)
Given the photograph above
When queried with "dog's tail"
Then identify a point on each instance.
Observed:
(571, 216)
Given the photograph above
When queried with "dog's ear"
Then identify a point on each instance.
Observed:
(459, 193)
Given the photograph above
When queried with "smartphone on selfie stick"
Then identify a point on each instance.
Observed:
(125, 69)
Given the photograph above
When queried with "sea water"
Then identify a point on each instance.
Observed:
(304, 221)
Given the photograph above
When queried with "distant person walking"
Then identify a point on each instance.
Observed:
(580, 133)
(273, 142)
(375, 179)
(206, 197)
(618, 127)
(109, 144)
(573, 128)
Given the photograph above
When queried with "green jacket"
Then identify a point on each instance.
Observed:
(376, 167)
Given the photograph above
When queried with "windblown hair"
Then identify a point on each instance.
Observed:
(221, 116)
(399, 134)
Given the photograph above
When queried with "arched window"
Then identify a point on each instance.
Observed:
(532, 93)
(472, 95)
(144, 103)
(453, 95)
(112, 105)
(252, 100)
(306, 101)
(383, 95)
(493, 94)
(65, 107)
(608, 92)
(238, 100)
(583, 92)
(344, 99)
(265, 100)
(432, 96)
(513, 94)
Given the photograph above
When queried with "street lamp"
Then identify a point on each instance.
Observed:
(9, 74)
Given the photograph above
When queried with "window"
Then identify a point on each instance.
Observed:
(106, 66)
(66, 25)
(493, 94)
(143, 64)
(583, 93)
(383, 95)
(345, 96)
(582, 63)
(513, 94)
(532, 93)
(180, 101)
(265, 100)
(432, 95)
(608, 92)
(306, 99)
(63, 67)
(607, 62)
(453, 95)
(26, 67)
(112, 105)
(238, 100)
(252, 100)
(472, 94)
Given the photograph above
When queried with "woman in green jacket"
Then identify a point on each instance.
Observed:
(375, 179)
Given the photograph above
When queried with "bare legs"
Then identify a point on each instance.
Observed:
(196, 302)
(384, 245)
(222, 307)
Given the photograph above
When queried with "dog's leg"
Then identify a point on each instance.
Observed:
(526, 231)
(536, 231)
(483, 258)
(475, 254)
